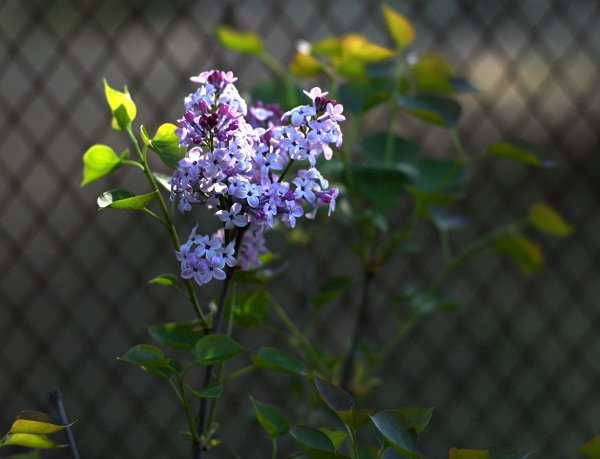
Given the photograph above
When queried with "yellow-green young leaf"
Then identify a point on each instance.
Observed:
(31, 441)
(35, 422)
(546, 219)
(124, 199)
(116, 99)
(351, 68)
(242, 42)
(466, 453)
(432, 74)
(166, 145)
(330, 47)
(525, 252)
(400, 28)
(591, 448)
(98, 161)
(305, 66)
(356, 47)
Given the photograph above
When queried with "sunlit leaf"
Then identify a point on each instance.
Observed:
(432, 109)
(466, 453)
(544, 218)
(356, 47)
(216, 348)
(275, 423)
(166, 145)
(400, 28)
(122, 117)
(176, 335)
(591, 448)
(168, 280)
(242, 42)
(329, 46)
(98, 161)
(145, 355)
(35, 422)
(275, 360)
(31, 441)
(162, 180)
(124, 199)
(305, 66)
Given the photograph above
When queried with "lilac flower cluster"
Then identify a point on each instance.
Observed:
(237, 158)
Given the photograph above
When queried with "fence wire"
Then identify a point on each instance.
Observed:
(517, 365)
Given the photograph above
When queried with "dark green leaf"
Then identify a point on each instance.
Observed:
(214, 348)
(315, 443)
(418, 415)
(398, 430)
(434, 174)
(213, 390)
(335, 397)
(391, 453)
(466, 453)
(98, 161)
(432, 109)
(358, 96)
(402, 149)
(176, 335)
(544, 218)
(425, 198)
(250, 308)
(166, 371)
(276, 360)
(518, 150)
(462, 85)
(379, 183)
(166, 145)
(426, 302)
(162, 180)
(336, 436)
(503, 452)
(522, 250)
(331, 289)
(591, 448)
(124, 199)
(286, 94)
(275, 423)
(31, 441)
(145, 355)
(354, 418)
(35, 422)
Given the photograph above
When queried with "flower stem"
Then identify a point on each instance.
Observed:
(56, 399)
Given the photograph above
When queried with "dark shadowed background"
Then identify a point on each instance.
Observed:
(519, 364)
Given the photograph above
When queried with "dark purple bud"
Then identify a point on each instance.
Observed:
(289, 195)
(189, 116)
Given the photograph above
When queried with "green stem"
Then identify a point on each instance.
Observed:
(457, 144)
(167, 221)
(393, 110)
(132, 163)
(153, 215)
(274, 448)
(238, 373)
(285, 171)
(300, 338)
(352, 433)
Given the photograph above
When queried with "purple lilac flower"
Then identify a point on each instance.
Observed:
(232, 156)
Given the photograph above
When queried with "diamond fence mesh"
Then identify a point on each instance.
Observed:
(517, 365)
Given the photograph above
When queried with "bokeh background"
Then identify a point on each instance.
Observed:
(518, 364)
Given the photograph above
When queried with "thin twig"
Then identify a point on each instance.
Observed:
(56, 399)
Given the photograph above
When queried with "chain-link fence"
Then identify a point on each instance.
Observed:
(517, 365)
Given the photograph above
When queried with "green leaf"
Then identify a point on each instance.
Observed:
(336, 436)
(242, 42)
(35, 422)
(331, 289)
(275, 423)
(354, 418)
(418, 415)
(166, 371)
(98, 161)
(426, 198)
(305, 66)
(466, 453)
(275, 360)
(166, 145)
(328, 46)
(124, 199)
(425, 302)
(176, 335)
(518, 150)
(398, 430)
(167, 279)
(31, 441)
(399, 28)
(591, 448)
(525, 252)
(503, 452)
(379, 183)
(432, 109)
(335, 397)
(122, 117)
(434, 174)
(162, 180)
(359, 96)
(215, 348)
(35, 454)
(144, 135)
(544, 218)
(276, 92)
(355, 47)
(250, 308)
(315, 443)
(432, 74)
(145, 355)
(213, 390)
(373, 147)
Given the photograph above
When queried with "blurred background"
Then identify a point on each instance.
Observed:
(517, 365)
